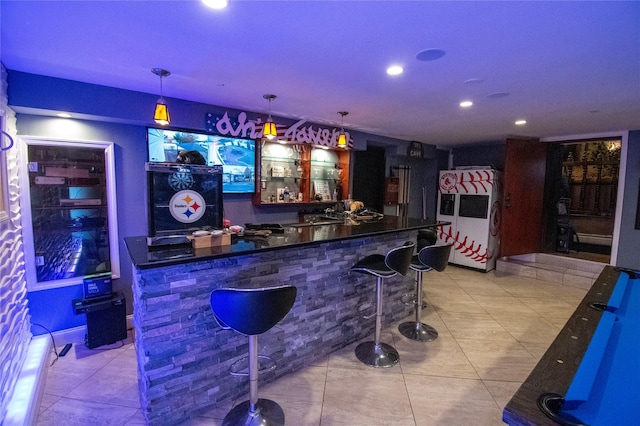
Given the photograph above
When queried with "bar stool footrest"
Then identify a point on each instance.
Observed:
(267, 413)
(367, 311)
(241, 366)
(409, 299)
(418, 331)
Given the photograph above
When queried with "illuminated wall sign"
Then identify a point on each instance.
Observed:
(296, 133)
(415, 150)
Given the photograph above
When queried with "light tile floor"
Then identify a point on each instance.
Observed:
(493, 329)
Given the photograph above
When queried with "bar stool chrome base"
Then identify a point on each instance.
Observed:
(397, 261)
(428, 258)
(418, 331)
(266, 413)
(253, 312)
(377, 355)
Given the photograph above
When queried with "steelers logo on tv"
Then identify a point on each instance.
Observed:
(187, 206)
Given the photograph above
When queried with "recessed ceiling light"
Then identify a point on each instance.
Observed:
(497, 95)
(395, 70)
(216, 4)
(521, 122)
(466, 104)
(430, 55)
(63, 115)
(473, 81)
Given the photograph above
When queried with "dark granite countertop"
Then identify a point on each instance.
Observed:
(295, 235)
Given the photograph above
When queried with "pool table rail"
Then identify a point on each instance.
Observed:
(551, 378)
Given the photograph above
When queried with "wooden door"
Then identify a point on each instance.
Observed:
(522, 211)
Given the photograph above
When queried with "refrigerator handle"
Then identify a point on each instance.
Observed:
(507, 200)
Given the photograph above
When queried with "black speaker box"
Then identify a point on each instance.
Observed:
(106, 321)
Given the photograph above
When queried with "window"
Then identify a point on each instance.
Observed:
(69, 191)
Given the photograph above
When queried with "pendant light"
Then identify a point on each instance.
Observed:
(342, 137)
(161, 113)
(269, 130)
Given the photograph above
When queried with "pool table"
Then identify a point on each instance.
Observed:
(590, 375)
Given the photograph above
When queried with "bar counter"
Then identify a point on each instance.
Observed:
(184, 356)
(295, 235)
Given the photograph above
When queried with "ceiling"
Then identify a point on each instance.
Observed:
(566, 67)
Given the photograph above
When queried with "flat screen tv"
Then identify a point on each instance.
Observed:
(237, 156)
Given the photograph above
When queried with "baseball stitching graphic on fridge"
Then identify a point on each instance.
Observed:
(470, 198)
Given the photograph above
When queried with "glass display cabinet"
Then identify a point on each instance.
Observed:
(329, 171)
(301, 173)
(284, 171)
(69, 213)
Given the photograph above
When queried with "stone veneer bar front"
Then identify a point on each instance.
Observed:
(184, 356)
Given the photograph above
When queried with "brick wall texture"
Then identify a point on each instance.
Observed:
(184, 356)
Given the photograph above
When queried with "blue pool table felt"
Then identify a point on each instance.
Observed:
(606, 387)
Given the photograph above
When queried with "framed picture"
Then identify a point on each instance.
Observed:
(321, 187)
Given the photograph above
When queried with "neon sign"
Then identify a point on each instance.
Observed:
(296, 133)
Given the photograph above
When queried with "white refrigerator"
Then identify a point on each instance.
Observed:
(471, 199)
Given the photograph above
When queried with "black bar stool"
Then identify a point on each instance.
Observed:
(252, 312)
(427, 259)
(426, 237)
(397, 261)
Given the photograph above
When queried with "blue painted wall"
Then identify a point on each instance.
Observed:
(52, 309)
